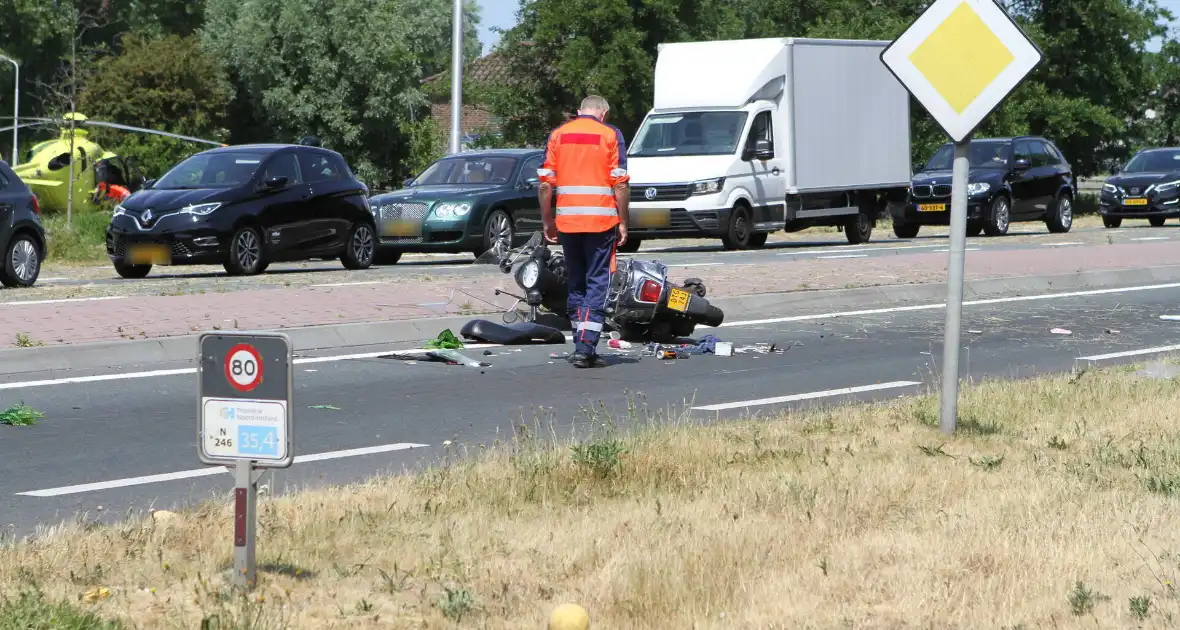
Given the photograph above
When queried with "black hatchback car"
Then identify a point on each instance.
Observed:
(1148, 187)
(468, 202)
(245, 207)
(1009, 179)
(22, 238)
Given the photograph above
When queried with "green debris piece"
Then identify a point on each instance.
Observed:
(446, 340)
(20, 415)
(330, 407)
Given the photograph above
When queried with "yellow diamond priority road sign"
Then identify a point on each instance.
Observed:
(961, 59)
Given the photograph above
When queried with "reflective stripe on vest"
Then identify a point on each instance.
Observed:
(587, 211)
(581, 162)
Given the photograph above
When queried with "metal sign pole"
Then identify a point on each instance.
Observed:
(954, 288)
(245, 525)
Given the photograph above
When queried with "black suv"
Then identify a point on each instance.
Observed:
(245, 207)
(22, 239)
(1148, 187)
(1010, 179)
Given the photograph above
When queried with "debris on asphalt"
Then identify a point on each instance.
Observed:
(487, 353)
(20, 415)
(1170, 318)
(456, 358)
(975, 332)
(1061, 331)
(619, 344)
(446, 340)
(516, 334)
(724, 348)
(328, 407)
(1111, 332)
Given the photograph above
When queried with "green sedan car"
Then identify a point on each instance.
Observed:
(469, 202)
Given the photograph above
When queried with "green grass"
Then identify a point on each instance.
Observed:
(84, 241)
(20, 415)
(31, 611)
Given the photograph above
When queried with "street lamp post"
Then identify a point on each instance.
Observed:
(456, 76)
(15, 107)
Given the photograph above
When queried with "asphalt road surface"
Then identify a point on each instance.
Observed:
(127, 441)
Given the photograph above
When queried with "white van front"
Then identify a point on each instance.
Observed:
(707, 173)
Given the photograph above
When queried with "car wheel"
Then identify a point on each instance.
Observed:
(245, 253)
(358, 254)
(1156, 221)
(498, 234)
(132, 272)
(997, 222)
(759, 240)
(740, 229)
(386, 257)
(859, 229)
(974, 228)
(1112, 222)
(1061, 218)
(632, 245)
(905, 230)
(22, 262)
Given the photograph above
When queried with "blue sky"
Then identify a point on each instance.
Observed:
(502, 13)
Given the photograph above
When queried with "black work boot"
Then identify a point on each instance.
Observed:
(582, 360)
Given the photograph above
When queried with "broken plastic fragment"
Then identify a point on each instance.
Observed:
(1061, 331)
(458, 358)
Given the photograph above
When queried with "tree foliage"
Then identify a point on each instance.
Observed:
(168, 83)
(347, 71)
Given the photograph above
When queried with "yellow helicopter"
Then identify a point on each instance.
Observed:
(99, 174)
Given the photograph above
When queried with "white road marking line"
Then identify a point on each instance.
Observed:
(63, 300)
(210, 471)
(708, 264)
(1060, 244)
(179, 371)
(927, 307)
(808, 396)
(1130, 353)
(347, 284)
(51, 279)
(826, 250)
(947, 249)
(754, 322)
(1152, 238)
(843, 256)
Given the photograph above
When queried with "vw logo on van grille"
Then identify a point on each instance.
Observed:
(650, 193)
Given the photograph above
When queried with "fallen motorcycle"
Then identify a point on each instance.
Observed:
(642, 305)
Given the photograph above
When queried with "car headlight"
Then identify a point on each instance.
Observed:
(200, 209)
(978, 188)
(119, 209)
(708, 186)
(1167, 186)
(1110, 188)
(451, 210)
(528, 274)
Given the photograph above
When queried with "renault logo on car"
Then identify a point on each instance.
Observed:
(650, 194)
(147, 216)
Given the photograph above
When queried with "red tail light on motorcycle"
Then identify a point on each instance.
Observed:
(649, 291)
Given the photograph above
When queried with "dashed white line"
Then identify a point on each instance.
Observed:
(347, 284)
(843, 256)
(1130, 353)
(1152, 238)
(708, 264)
(1060, 244)
(63, 300)
(807, 396)
(210, 471)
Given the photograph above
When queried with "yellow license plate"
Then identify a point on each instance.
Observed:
(932, 207)
(678, 300)
(650, 217)
(1134, 202)
(402, 228)
(149, 254)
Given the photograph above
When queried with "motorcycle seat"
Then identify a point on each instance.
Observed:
(520, 333)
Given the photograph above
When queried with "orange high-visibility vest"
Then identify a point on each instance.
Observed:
(584, 160)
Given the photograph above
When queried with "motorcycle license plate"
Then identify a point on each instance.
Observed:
(678, 300)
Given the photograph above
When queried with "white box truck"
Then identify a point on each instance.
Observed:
(749, 137)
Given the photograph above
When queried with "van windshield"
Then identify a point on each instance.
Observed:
(695, 133)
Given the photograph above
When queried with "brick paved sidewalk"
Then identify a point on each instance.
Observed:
(162, 316)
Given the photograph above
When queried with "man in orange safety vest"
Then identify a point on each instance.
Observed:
(585, 169)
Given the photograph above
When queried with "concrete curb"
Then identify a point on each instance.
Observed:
(341, 337)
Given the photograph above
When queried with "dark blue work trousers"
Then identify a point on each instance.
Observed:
(589, 260)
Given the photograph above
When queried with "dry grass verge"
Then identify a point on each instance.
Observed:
(1054, 507)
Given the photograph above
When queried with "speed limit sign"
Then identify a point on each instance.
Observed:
(243, 367)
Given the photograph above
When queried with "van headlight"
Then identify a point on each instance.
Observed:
(708, 186)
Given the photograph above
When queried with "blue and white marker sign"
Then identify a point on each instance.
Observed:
(245, 399)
